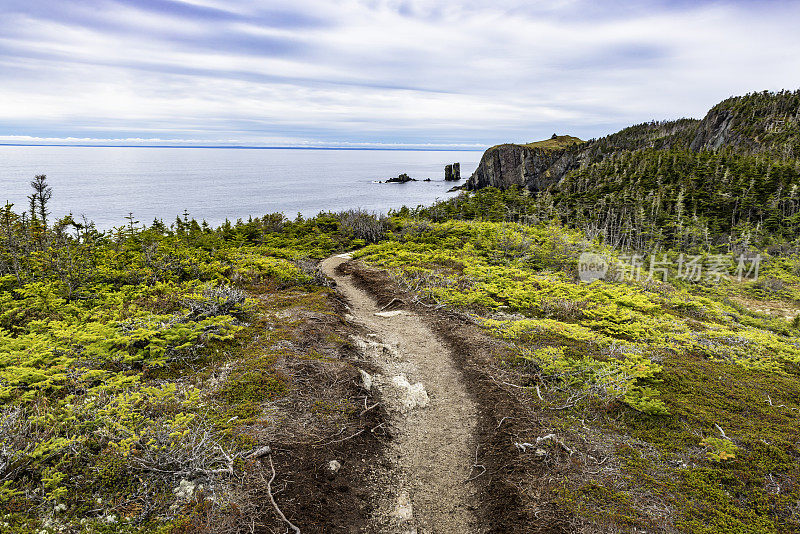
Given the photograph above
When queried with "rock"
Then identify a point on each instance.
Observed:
(403, 511)
(714, 131)
(532, 168)
(261, 452)
(389, 313)
(366, 379)
(452, 172)
(184, 490)
(401, 179)
(427, 180)
(333, 468)
(410, 396)
(455, 188)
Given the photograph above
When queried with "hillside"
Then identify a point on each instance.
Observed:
(736, 172)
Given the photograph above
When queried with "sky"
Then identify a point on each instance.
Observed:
(375, 73)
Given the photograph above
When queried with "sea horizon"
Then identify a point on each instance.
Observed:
(250, 147)
(218, 185)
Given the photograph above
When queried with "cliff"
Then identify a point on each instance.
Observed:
(535, 166)
(757, 123)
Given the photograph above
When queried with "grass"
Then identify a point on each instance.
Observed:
(555, 143)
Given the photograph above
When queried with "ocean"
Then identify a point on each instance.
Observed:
(214, 184)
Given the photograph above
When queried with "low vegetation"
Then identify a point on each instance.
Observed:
(678, 400)
(140, 368)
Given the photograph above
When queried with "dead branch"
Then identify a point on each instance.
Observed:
(475, 466)
(365, 410)
(272, 499)
(394, 301)
(343, 439)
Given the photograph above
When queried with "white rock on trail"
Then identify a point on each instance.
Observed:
(404, 511)
(392, 313)
(366, 379)
(410, 396)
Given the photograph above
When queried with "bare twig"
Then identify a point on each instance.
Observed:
(475, 466)
(272, 499)
(549, 437)
(343, 439)
(365, 410)
(393, 302)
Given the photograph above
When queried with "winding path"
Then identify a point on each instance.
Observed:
(434, 450)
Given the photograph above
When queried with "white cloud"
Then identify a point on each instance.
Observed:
(372, 72)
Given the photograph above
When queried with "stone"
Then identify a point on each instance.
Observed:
(452, 172)
(404, 510)
(392, 313)
(185, 490)
(333, 469)
(401, 179)
(410, 396)
(366, 379)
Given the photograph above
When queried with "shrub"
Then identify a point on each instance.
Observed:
(360, 224)
(719, 449)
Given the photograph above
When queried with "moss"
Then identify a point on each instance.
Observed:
(252, 384)
(600, 504)
(735, 495)
(554, 143)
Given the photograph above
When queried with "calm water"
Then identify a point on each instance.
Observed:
(214, 183)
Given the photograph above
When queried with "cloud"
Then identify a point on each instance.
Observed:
(413, 72)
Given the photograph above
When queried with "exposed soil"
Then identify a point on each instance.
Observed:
(433, 453)
(515, 493)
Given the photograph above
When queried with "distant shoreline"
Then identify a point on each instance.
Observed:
(245, 147)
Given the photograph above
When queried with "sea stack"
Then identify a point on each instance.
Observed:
(452, 173)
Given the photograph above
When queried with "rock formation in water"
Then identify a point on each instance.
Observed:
(452, 173)
(401, 179)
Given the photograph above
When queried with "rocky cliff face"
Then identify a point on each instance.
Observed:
(713, 131)
(536, 169)
(756, 123)
(535, 166)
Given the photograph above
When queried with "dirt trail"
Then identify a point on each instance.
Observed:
(434, 450)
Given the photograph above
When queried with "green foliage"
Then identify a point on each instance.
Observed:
(105, 343)
(657, 364)
(719, 449)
